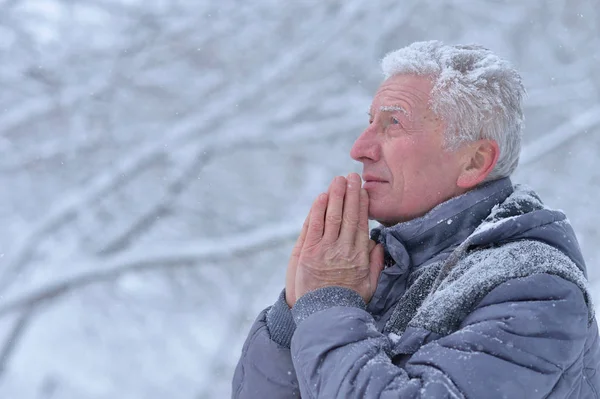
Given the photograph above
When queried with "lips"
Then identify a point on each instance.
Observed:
(371, 178)
(372, 182)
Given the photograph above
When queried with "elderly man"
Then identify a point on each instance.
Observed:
(470, 287)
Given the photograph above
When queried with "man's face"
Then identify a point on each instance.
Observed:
(406, 169)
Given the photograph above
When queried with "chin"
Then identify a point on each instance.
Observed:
(382, 217)
(387, 218)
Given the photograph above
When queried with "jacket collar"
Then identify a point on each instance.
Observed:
(411, 243)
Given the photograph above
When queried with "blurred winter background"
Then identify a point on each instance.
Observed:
(157, 159)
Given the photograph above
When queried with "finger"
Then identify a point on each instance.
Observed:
(376, 262)
(371, 245)
(290, 275)
(300, 241)
(350, 216)
(362, 237)
(316, 221)
(335, 207)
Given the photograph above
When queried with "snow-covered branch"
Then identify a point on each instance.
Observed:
(40, 107)
(181, 255)
(183, 174)
(13, 338)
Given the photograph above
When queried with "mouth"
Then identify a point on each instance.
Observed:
(372, 182)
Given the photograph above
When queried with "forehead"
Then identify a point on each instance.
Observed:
(410, 92)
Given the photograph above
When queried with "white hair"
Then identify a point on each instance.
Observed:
(478, 95)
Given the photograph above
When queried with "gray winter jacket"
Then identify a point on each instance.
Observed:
(484, 297)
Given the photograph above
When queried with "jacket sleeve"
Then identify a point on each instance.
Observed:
(516, 343)
(265, 368)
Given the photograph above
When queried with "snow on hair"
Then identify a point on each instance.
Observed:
(478, 94)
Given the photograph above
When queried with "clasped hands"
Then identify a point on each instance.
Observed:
(334, 248)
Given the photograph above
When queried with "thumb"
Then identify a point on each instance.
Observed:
(376, 261)
(371, 245)
(290, 275)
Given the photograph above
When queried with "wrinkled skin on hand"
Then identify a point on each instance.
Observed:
(334, 248)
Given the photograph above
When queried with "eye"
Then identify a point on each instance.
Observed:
(394, 121)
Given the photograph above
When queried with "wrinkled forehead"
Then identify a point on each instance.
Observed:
(403, 93)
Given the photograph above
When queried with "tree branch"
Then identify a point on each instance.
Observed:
(38, 108)
(183, 176)
(182, 255)
(14, 336)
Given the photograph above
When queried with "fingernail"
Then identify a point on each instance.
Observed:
(353, 178)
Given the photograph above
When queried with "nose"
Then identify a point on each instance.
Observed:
(366, 147)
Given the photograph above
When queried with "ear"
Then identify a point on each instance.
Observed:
(480, 158)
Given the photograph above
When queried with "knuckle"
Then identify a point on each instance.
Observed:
(316, 225)
(334, 219)
(351, 219)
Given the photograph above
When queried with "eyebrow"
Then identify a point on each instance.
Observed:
(392, 108)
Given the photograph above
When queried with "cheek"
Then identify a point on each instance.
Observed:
(430, 155)
(420, 166)
(413, 157)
